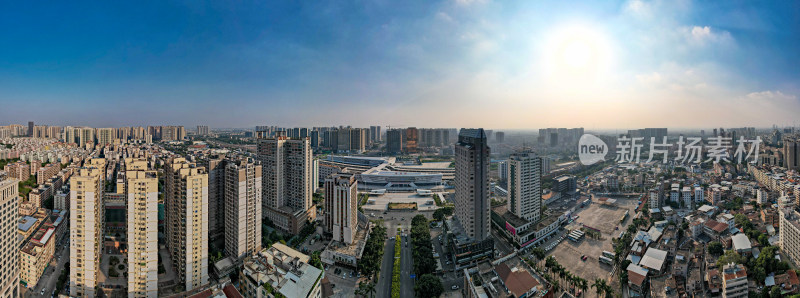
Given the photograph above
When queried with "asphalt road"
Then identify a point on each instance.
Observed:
(384, 288)
(406, 268)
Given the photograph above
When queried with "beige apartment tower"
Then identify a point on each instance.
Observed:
(86, 228)
(287, 181)
(9, 214)
(141, 188)
(186, 212)
(242, 207)
(341, 207)
(524, 185)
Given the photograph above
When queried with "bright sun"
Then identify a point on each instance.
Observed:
(577, 53)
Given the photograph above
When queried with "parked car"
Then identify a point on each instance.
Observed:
(454, 287)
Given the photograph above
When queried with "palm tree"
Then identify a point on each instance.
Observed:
(599, 286)
(584, 285)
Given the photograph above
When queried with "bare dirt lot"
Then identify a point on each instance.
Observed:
(604, 218)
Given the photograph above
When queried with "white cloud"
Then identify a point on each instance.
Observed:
(469, 2)
(698, 35)
(770, 95)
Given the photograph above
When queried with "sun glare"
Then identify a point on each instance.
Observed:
(577, 53)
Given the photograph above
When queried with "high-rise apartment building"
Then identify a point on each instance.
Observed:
(30, 128)
(141, 189)
(524, 185)
(789, 233)
(791, 152)
(394, 141)
(202, 130)
(86, 227)
(375, 133)
(242, 207)
(472, 183)
(341, 207)
(186, 227)
(9, 216)
(287, 181)
(172, 133)
(106, 136)
(86, 136)
(216, 196)
(411, 140)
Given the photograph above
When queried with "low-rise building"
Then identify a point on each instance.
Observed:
(734, 281)
(280, 269)
(36, 254)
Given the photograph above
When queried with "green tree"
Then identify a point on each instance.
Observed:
(715, 248)
(428, 285)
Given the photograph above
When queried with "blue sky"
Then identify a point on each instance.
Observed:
(452, 63)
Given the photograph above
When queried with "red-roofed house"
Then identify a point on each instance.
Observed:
(518, 282)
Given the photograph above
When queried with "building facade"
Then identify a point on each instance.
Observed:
(141, 187)
(186, 214)
(242, 207)
(287, 181)
(341, 203)
(472, 183)
(9, 215)
(86, 228)
(524, 185)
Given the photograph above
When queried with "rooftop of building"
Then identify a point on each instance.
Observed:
(352, 249)
(283, 268)
(653, 259)
(518, 281)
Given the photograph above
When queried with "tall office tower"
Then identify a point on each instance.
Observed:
(287, 184)
(86, 228)
(791, 153)
(9, 214)
(202, 130)
(186, 210)
(341, 207)
(525, 185)
(243, 207)
(30, 128)
(472, 183)
(394, 141)
(216, 196)
(106, 136)
(141, 187)
(375, 133)
(410, 140)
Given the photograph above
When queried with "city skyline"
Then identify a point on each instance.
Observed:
(620, 64)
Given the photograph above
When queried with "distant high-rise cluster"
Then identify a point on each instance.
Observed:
(202, 130)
